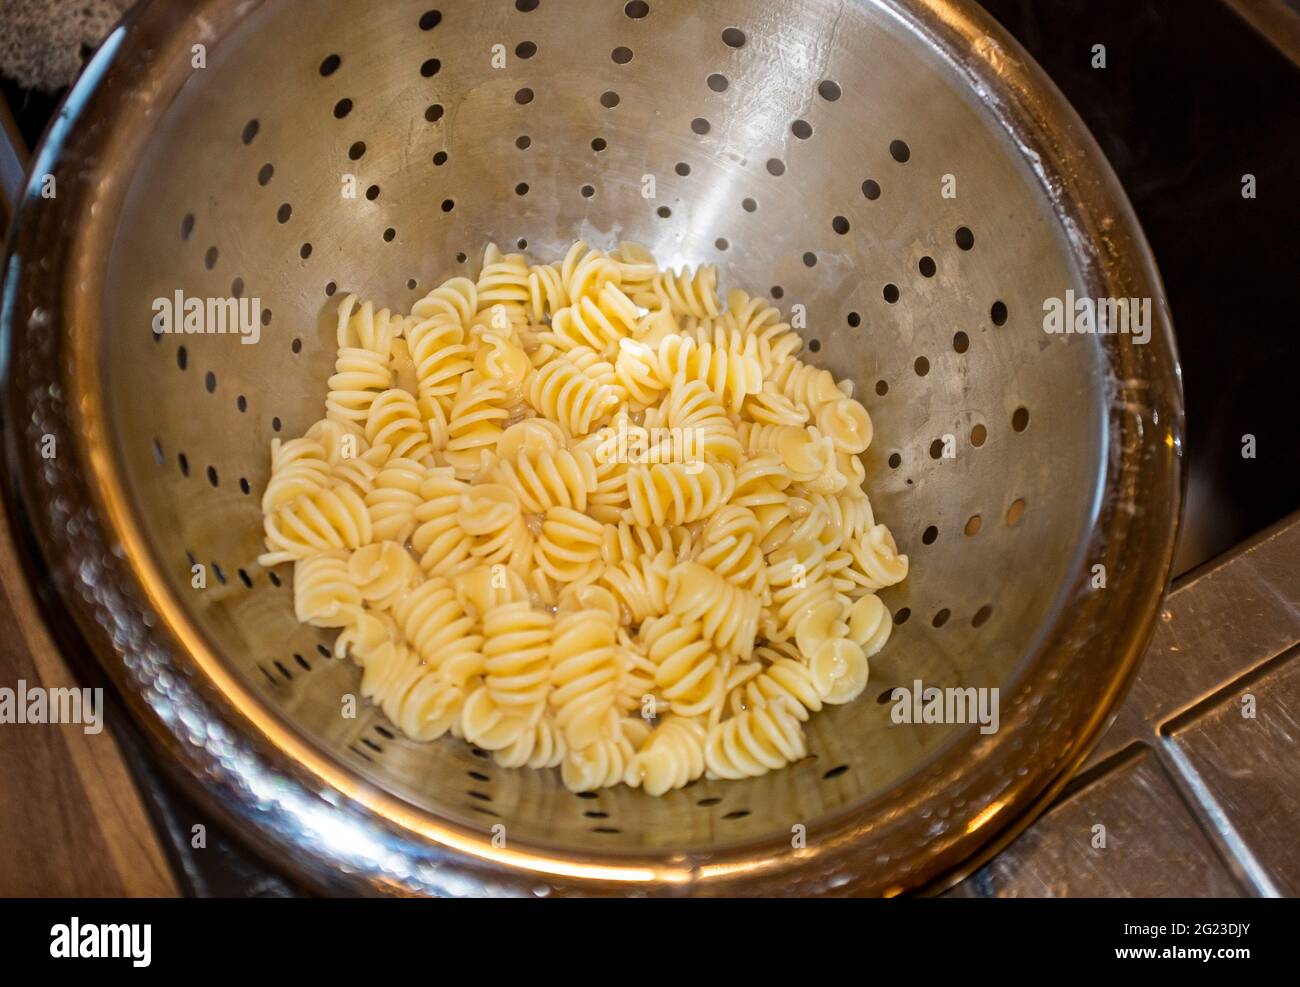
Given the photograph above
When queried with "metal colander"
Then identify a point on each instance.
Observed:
(898, 169)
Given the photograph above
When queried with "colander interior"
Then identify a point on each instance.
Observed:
(815, 151)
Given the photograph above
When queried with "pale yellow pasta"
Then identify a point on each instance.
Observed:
(640, 586)
(474, 423)
(442, 546)
(382, 572)
(684, 292)
(584, 272)
(599, 323)
(728, 615)
(689, 672)
(672, 757)
(677, 493)
(438, 350)
(516, 677)
(754, 742)
(315, 522)
(324, 594)
(798, 581)
(393, 498)
(457, 298)
(756, 317)
(435, 622)
(869, 624)
(412, 695)
(624, 542)
(876, 561)
(605, 762)
(566, 395)
(394, 420)
(298, 466)
(585, 670)
(586, 516)
(361, 472)
(361, 370)
(503, 363)
(789, 680)
(846, 423)
(568, 549)
(490, 513)
(503, 280)
(804, 384)
(730, 547)
(839, 670)
(730, 376)
(542, 746)
(549, 478)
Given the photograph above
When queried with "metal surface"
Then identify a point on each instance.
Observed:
(1196, 782)
(173, 178)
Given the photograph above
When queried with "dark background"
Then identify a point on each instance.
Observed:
(1191, 99)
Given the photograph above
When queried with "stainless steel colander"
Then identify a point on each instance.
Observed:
(898, 168)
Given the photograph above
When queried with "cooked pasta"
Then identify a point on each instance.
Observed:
(588, 515)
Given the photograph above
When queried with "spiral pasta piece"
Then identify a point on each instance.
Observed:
(393, 498)
(684, 292)
(754, 742)
(605, 762)
(315, 522)
(563, 393)
(876, 560)
(677, 493)
(381, 572)
(411, 695)
(323, 593)
(457, 298)
(434, 622)
(568, 549)
(541, 746)
(752, 316)
(395, 421)
(550, 478)
(798, 581)
(503, 280)
(672, 757)
(730, 547)
(584, 675)
(490, 512)
(728, 614)
(441, 544)
(516, 677)
(640, 586)
(732, 376)
(475, 423)
(689, 673)
(804, 384)
(298, 466)
(626, 542)
(441, 358)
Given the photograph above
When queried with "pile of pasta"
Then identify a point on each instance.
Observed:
(584, 515)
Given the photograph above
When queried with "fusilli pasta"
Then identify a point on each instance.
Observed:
(586, 516)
